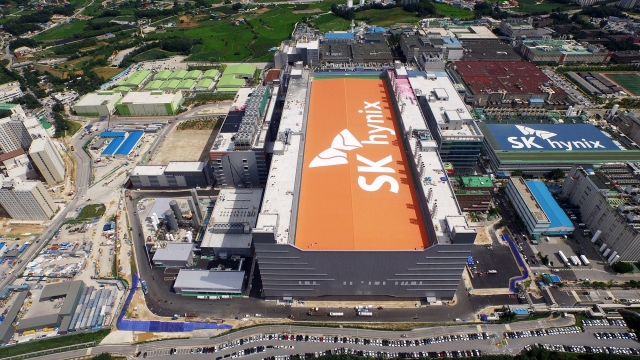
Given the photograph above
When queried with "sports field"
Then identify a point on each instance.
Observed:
(356, 191)
(629, 81)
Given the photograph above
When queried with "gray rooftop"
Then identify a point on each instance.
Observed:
(210, 280)
(6, 329)
(174, 251)
(38, 322)
(59, 289)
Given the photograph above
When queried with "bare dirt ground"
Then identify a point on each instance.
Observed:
(183, 145)
(7, 229)
(482, 238)
(185, 22)
(138, 309)
(263, 10)
(308, 11)
(150, 336)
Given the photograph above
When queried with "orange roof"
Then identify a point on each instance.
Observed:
(357, 191)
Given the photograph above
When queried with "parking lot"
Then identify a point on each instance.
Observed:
(498, 258)
(559, 80)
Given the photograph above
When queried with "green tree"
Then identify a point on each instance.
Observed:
(622, 267)
(555, 174)
(236, 6)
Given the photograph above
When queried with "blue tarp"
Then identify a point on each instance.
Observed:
(163, 326)
(338, 36)
(556, 216)
(514, 249)
(470, 260)
(129, 143)
(113, 146)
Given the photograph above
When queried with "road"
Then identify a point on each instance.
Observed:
(160, 348)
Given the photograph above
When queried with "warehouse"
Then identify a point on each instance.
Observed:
(193, 74)
(162, 75)
(70, 291)
(136, 80)
(205, 84)
(150, 103)
(6, 327)
(177, 174)
(209, 282)
(538, 210)
(154, 85)
(235, 77)
(186, 85)
(170, 85)
(102, 103)
(178, 75)
(536, 149)
(309, 242)
(211, 74)
(174, 255)
(562, 51)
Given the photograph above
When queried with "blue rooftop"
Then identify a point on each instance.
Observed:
(555, 278)
(338, 36)
(520, 311)
(112, 134)
(378, 29)
(557, 217)
(536, 101)
(113, 146)
(129, 143)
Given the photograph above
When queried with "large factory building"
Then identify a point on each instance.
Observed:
(357, 201)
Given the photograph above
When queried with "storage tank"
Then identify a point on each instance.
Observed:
(612, 256)
(596, 236)
(176, 209)
(613, 111)
(195, 219)
(584, 260)
(606, 252)
(563, 258)
(189, 236)
(604, 246)
(172, 224)
(615, 259)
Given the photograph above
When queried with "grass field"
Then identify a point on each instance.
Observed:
(386, 17)
(92, 211)
(631, 82)
(62, 31)
(538, 6)
(454, 12)
(153, 54)
(107, 72)
(330, 22)
(56, 342)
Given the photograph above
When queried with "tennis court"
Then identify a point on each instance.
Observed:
(629, 81)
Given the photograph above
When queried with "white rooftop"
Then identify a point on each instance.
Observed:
(148, 170)
(237, 206)
(38, 145)
(146, 97)
(313, 44)
(174, 251)
(277, 204)
(443, 99)
(226, 241)
(93, 99)
(474, 32)
(184, 166)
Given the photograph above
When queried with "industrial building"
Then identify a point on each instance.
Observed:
(232, 220)
(176, 254)
(508, 83)
(162, 75)
(537, 208)
(187, 85)
(211, 74)
(517, 29)
(150, 103)
(235, 76)
(6, 327)
(123, 145)
(193, 74)
(594, 83)
(10, 91)
(13, 135)
(450, 123)
(488, 50)
(71, 291)
(26, 200)
(154, 85)
(474, 192)
(309, 242)
(47, 159)
(209, 282)
(536, 149)
(205, 84)
(18, 165)
(562, 51)
(101, 103)
(436, 42)
(608, 196)
(136, 80)
(238, 154)
(176, 174)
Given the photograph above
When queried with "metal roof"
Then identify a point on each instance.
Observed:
(210, 280)
(557, 217)
(174, 252)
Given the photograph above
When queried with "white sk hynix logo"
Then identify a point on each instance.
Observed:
(345, 141)
(529, 142)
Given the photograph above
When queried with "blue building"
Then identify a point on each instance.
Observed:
(537, 208)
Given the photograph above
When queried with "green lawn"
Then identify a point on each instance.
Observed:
(330, 22)
(52, 343)
(539, 6)
(74, 126)
(631, 82)
(152, 54)
(62, 31)
(92, 211)
(386, 17)
(126, 18)
(454, 12)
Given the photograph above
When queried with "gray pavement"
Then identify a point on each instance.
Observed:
(161, 348)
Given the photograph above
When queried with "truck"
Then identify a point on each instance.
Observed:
(365, 313)
(314, 313)
(584, 260)
(191, 315)
(336, 313)
(492, 271)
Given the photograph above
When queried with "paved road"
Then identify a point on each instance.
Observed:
(161, 348)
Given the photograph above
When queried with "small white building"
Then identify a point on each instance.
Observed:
(10, 91)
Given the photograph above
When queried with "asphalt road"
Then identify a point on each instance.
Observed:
(161, 348)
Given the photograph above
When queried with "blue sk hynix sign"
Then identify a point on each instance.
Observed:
(569, 137)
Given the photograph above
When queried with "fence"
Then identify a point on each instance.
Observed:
(525, 273)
